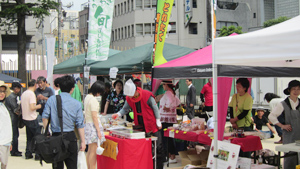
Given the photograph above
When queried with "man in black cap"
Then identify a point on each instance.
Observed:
(12, 104)
(289, 109)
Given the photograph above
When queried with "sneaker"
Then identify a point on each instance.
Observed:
(28, 156)
(16, 154)
(37, 157)
(172, 161)
(278, 142)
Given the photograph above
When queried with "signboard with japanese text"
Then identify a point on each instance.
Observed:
(188, 14)
(163, 12)
(100, 23)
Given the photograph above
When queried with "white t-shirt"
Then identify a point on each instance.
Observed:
(90, 104)
(27, 98)
(5, 126)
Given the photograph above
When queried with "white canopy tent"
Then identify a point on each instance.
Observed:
(276, 46)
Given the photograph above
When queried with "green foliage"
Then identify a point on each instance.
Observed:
(13, 10)
(272, 22)
(226, 31)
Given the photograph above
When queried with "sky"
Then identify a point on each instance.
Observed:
(76, 4)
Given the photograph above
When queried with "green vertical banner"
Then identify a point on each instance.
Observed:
(100, 23)
(164, 9)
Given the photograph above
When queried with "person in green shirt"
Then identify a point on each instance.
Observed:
(241, 106)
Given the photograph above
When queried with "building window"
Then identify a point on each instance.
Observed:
(227, 5)
(139, 29)
(254, 15)
(220, 24)
(132, 30)
(122, 33)
(119, 33)
(147, 28)
(125, 7)
(122, 9)
(132, 5)
(119, 10)
(193, 28)
(112, 36)
(139, 4)
(125, 32)
(173, 27)
(128, 5)
(154, 3)
(153, 28)
(147, 3)
(194, 3)
(128, 31)
(116, 14)
(116, 34)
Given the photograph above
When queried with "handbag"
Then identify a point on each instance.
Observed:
(52, 149)
(21, 123)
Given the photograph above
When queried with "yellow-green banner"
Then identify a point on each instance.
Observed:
(164, 8)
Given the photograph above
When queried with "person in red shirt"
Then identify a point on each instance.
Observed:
(206, 97)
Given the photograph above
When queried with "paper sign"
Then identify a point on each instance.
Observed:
(227, 155)
(171, 134)
(113, 72)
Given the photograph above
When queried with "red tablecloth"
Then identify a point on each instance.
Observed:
(248, 143)
(133, 154)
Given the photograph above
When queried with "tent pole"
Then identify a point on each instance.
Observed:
(142, 75)
(215, 89)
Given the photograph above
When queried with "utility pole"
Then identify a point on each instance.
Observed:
(59, 28)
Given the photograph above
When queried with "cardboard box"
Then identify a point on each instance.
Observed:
(191, 157)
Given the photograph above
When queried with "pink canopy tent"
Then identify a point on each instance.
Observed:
(198, 65)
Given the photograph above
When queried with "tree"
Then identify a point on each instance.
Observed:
(13, 16)
(226, 31)
(272, 22)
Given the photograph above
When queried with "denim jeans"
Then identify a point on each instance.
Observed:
(32, 129)
(15, 142)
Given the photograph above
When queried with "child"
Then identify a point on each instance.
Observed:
(260, 120)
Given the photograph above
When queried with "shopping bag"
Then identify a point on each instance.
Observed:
(81, 162)
(99, 150)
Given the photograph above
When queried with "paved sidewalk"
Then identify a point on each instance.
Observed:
(21, 162)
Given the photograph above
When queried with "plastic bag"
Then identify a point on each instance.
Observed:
(99, 150)
(81, 163)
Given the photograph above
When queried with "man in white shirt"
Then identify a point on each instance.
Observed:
(29, 107)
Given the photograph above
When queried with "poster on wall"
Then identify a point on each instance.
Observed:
(227, 155)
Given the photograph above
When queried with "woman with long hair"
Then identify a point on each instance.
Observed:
(93, 128)
(168, 115)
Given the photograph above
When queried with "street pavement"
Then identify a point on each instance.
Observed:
(22, 163)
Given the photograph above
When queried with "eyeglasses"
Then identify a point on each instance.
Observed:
(1, 91)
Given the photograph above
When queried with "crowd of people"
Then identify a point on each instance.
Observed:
(37, 105)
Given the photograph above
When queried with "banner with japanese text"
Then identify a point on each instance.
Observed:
(164, 9)
(100, 23)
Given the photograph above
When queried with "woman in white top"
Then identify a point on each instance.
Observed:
(273, 100)
(93, 128)
(5, 128)
(168, 115)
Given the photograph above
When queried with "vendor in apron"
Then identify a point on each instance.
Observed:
(146, 115)
(290, 110)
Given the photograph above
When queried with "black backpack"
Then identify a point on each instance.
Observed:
(52, 149)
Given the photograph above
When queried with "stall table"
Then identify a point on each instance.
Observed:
(286, 148)
(248, 143)
(132, 154)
